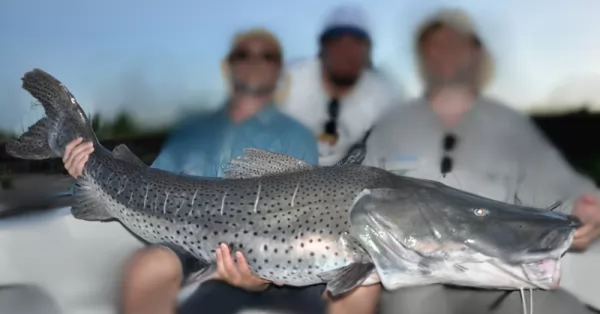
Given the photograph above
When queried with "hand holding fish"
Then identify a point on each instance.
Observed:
(238, 275)
(588, 210)
(76, 155)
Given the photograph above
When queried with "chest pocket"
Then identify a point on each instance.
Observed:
(402, 163)
(496, 180)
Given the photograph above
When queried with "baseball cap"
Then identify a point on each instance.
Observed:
(461, 22)
(349, 19)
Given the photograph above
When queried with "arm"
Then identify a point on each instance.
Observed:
(546, 178)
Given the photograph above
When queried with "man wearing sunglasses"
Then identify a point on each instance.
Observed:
(455, 135)
(338, 95)
(201, 146)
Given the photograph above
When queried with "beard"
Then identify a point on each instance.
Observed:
(259, 90)
(342, 80)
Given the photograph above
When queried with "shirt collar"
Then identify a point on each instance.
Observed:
(263, 116)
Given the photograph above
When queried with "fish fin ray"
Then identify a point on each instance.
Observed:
(202, 275)
(257, 163)
(357, 152)
(122, 152)
(33, 144)
(86, 206)
(347, 278)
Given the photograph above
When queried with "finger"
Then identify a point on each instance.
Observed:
(221, 273)
(74, 154)
(583, 231)
(80, 160)
(228, 261)
(82, 148)
(76, 163)
(580, 244)
(70, 147)
(80, 166)
(68, 159)
(242, 263)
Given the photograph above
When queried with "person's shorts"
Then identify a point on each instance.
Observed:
(217, 297)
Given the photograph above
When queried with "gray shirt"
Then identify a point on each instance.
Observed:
(499, 154)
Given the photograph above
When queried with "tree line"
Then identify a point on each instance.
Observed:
(123, 125)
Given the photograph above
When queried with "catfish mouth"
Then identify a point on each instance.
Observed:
(545, 274)
(542, 270)
(537, 270)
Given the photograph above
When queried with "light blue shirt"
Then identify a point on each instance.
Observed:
(202, 145)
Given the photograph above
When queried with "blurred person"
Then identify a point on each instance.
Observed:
(338, 95)
(456, 135)
(202, 146)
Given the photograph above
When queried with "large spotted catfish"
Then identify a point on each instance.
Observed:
(299, 224)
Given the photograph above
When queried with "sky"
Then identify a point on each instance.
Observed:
(158, 58)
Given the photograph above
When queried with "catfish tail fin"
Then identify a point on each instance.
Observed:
(64, 120)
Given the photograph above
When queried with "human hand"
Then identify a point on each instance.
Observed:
(76, 155)
(587, 210)
(238, 275)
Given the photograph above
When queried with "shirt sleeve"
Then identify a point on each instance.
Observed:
(546, 178)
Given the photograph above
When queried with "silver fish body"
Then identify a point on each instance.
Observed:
(291, 227)
(299, 224)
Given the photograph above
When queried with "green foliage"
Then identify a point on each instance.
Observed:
(4, 136)
(594, 169)
(123, 125)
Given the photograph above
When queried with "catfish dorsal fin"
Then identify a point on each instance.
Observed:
(123, 152)
(257, 163)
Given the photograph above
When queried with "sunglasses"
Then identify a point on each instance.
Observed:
(449, 143)
(245, 55)
(334, 111)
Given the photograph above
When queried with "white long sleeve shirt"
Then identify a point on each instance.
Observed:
(307, 101)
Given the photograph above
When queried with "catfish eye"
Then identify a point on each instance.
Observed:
(480, 212)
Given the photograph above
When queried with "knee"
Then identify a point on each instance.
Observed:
(364, 299)
(152, 265)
